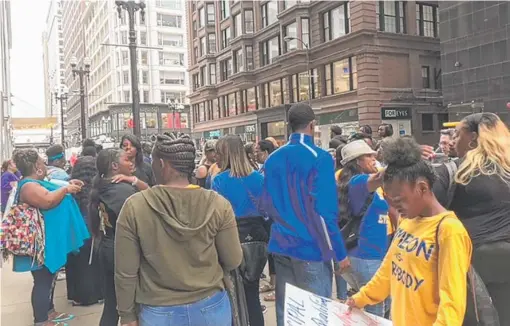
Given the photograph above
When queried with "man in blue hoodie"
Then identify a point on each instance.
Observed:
(300, 196)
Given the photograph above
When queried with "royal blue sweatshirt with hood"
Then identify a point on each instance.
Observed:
(300, 195)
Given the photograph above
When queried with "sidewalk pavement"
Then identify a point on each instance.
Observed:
(17, 310)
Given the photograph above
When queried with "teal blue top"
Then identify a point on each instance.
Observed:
(65, 232)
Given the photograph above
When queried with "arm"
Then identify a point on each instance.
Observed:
(37, 196)
(201, 172)
(378, 288)
(126, 269)
(227, 241)
(139, 184)
(324, 192)
(453, 264)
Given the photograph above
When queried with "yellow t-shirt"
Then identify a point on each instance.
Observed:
(426, 288)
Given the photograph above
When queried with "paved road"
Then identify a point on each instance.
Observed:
(17, 310)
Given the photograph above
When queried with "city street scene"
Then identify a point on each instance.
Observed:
(255, 163)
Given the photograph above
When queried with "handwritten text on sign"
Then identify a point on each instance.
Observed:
(303, 308)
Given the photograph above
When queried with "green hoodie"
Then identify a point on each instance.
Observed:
(172, 246)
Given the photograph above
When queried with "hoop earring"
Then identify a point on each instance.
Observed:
(472, 146)
(39, 172)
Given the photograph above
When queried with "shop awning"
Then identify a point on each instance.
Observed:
(34, 123)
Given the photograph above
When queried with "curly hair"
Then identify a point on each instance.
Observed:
(349, 170)
(84, 170)
(179, 150)
(25, 161)
(403, 156)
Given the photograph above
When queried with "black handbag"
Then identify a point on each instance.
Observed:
(254, 260)
(350, 229)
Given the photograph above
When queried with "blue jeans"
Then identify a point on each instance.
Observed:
(315, 277)
(211, 311)
(365, 270)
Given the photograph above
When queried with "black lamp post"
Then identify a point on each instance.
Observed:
(131, 7)
(61, 95)
(82, 72)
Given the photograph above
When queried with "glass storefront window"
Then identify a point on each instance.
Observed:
(231, 104)
(304, 87)
(251, 99)
(150, 120)
(341, 75)
(215, 109)
(285, 90)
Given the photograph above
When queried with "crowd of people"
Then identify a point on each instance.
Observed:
(161, 241)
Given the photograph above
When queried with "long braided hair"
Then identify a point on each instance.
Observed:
(179, 150)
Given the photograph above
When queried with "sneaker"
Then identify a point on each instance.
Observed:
(263, 276)
(264, 309)
(61, 276)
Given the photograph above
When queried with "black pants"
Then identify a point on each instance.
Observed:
(42, 294)
(270, 259)
(110, 316)
(253, 229)
(492, 262)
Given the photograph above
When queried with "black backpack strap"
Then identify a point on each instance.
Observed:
(365, 206)
(452, 168)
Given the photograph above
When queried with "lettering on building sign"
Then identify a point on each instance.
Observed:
(397, 113)
(249, 129)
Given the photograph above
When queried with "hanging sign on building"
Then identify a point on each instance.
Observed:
(396, 113)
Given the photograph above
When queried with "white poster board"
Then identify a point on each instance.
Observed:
(303, 308)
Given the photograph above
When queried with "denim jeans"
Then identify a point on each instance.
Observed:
(211, 311)
(365, 270)
(42, 294)
(315, 277)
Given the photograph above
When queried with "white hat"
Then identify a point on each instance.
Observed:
(355, 149)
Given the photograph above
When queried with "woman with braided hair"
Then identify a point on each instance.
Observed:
(172, 245)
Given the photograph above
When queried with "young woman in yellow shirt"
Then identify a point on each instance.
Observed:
(425, 278)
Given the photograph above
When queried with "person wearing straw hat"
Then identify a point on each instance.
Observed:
(363, 214)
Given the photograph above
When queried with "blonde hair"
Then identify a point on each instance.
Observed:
(492, 155)
(233, 157)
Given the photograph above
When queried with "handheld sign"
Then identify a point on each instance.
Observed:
(303, 308)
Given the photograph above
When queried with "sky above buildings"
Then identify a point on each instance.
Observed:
(28, 19)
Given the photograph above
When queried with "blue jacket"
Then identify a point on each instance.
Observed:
(300, 196)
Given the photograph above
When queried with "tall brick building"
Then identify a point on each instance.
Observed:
(367, 60)
(475, 57)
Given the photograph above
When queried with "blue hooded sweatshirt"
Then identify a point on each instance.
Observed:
(300, 196)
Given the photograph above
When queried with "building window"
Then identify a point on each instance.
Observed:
(238, 60)
(249, 58)
(127, 98)
(170, 40)
(125, 77)
(143, 58)
(171, 78)
(316, 83)
(125, 58)
(201, 17)
(212, 43)
(248, 21)
(226, 68)
(427, 122)
(225, 37)
(269, 13)
(123, 37)
(212, 74)
(203, 46)
(232, 107)
(390, 16)
(336, 22)
(195, 28)
(288, 3)
(251, 99)
(203, 76)
(291, 32)
(170, 96)
(270, 49)
(169, 20)
(425, 76)
(238, 25)
(426, 20)
(300, 87)
(341, 76)
(305, 31)
(146, 96)
(195, 53)
(143, 38)
(275, 93)
(437, 78)
(210, 14)
(171, 59)
(145, 77)
(225, 9)
(196, 81)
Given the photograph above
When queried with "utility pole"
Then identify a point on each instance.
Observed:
(61, 95)
(131, 7)
(82, 72)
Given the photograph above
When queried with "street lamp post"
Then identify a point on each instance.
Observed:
(307, 47)
(61, 95)
(82, 72)
(131, 7)
(174, 106)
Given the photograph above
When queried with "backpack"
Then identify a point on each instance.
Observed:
(350, 226)
(23, 233)
(480, 310)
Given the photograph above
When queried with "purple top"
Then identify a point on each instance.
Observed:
(7, 178)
